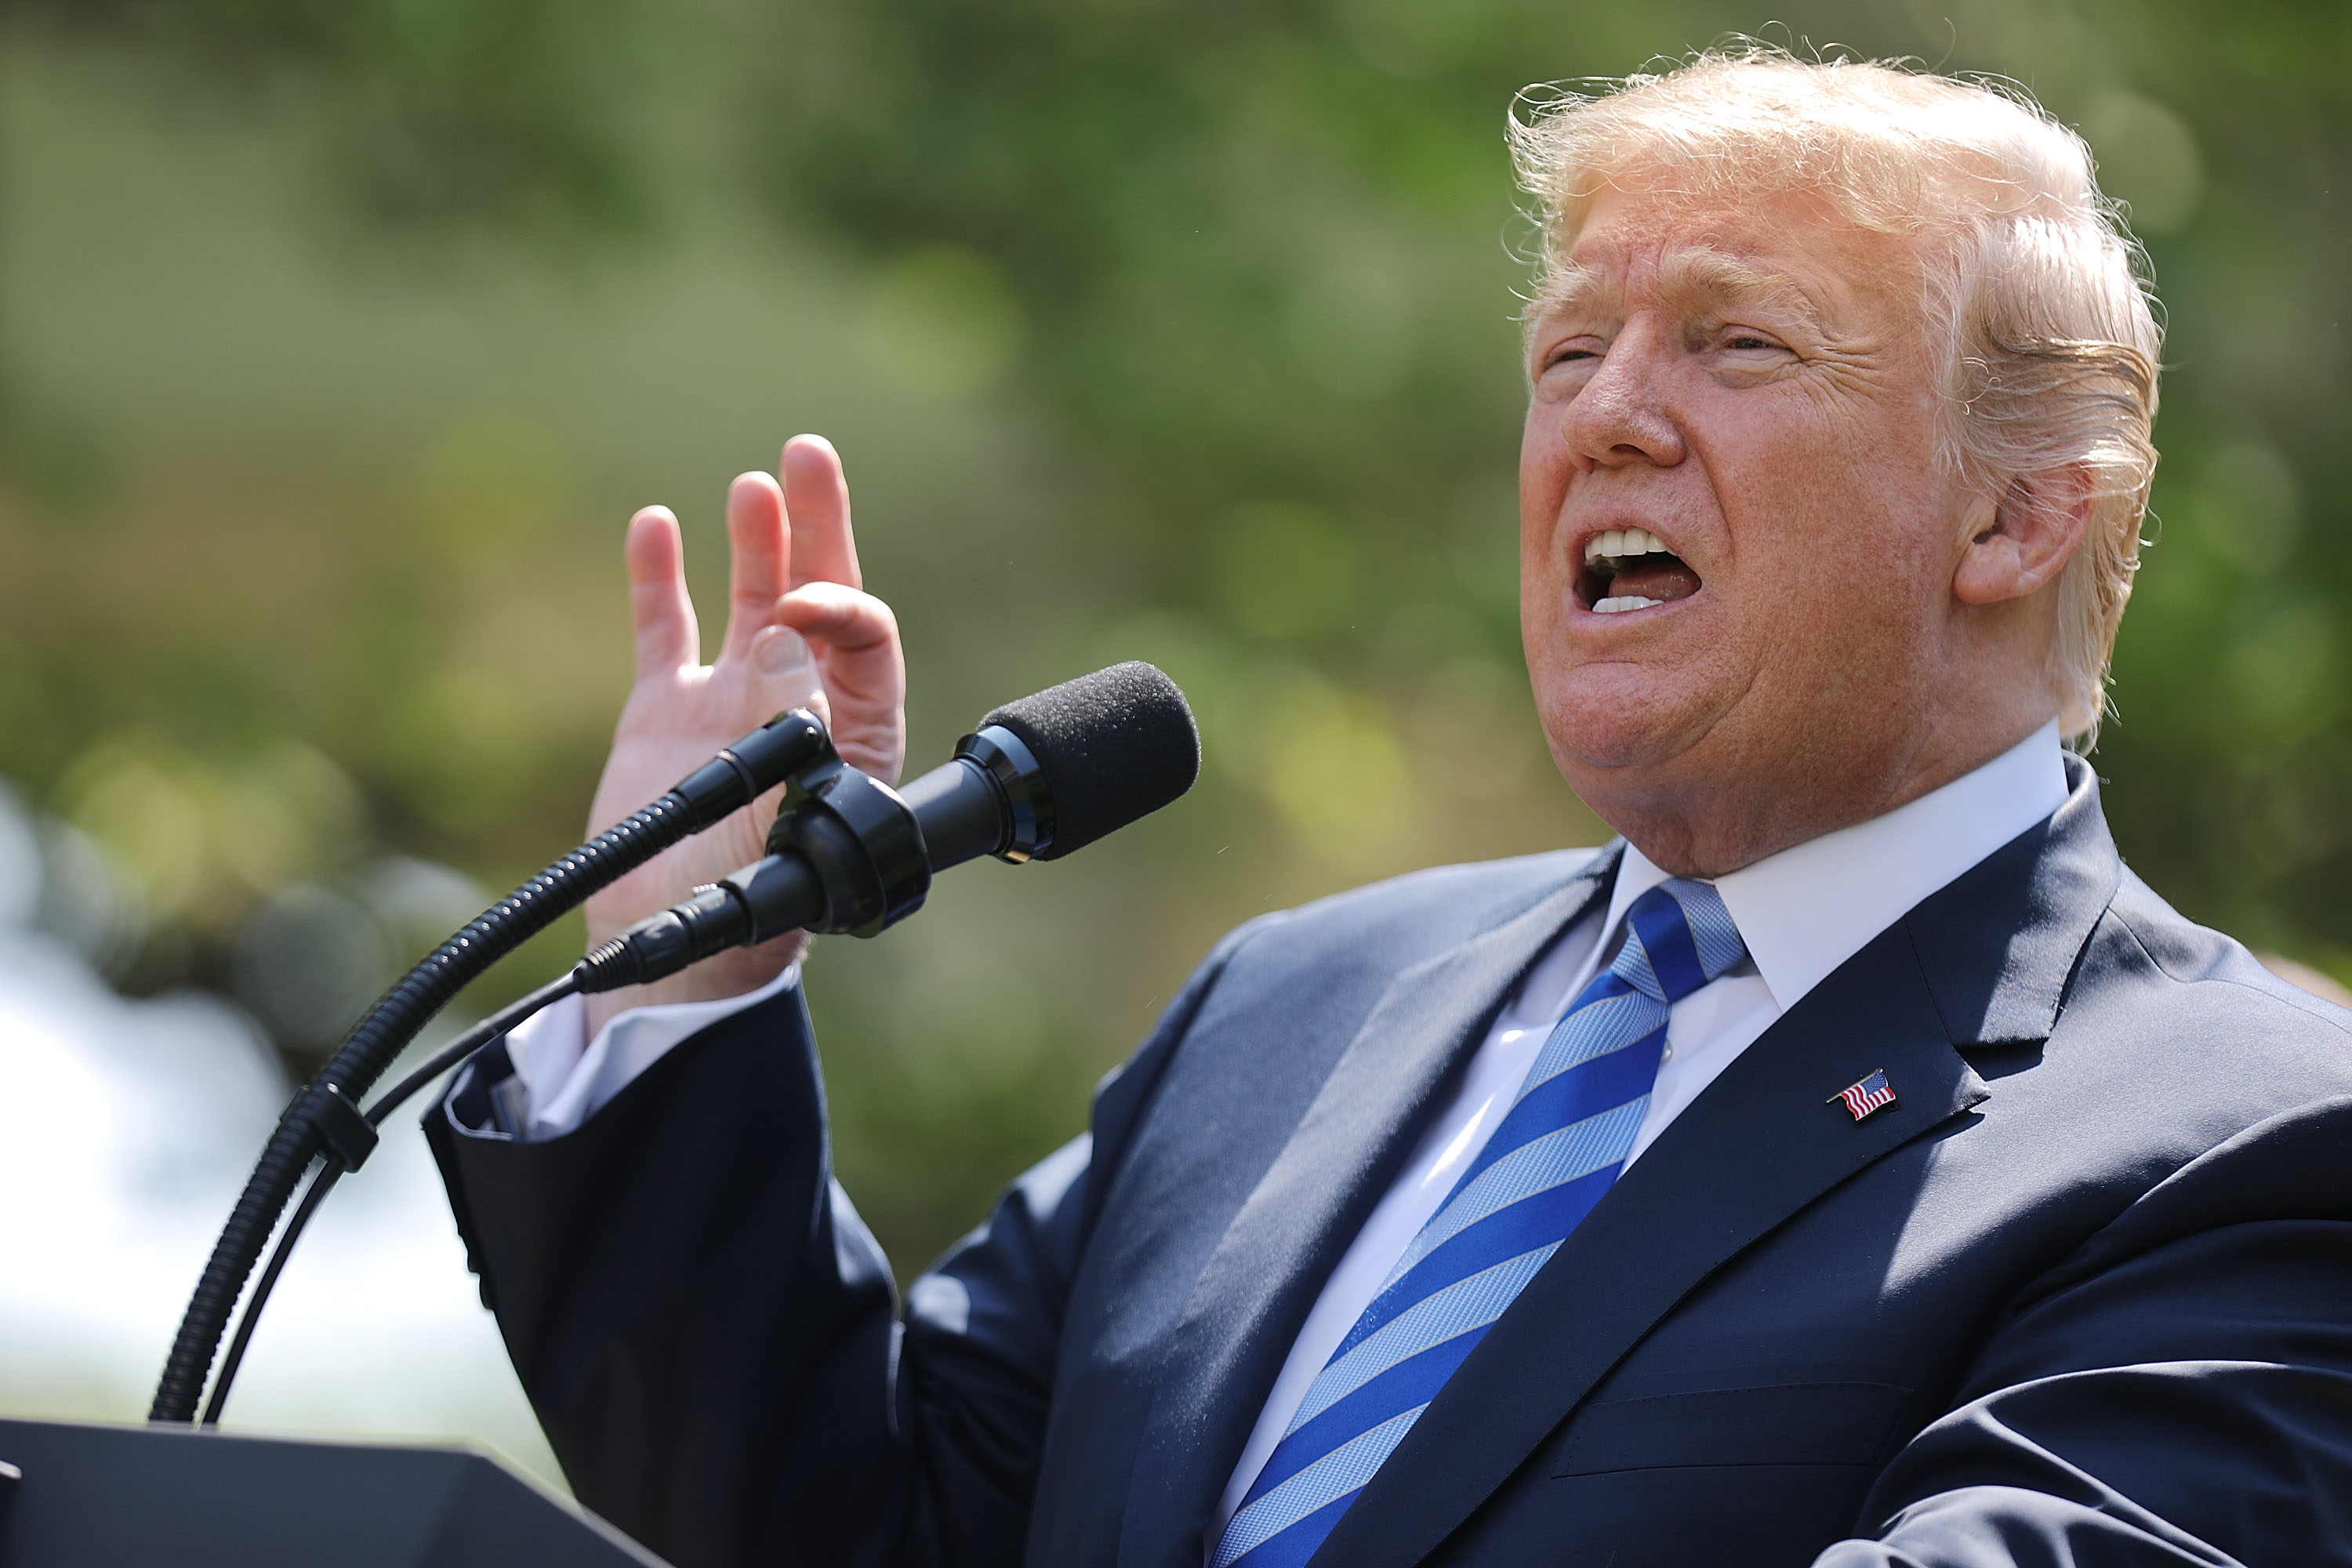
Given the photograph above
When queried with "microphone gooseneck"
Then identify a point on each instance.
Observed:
(734, 778)
(1040, 778)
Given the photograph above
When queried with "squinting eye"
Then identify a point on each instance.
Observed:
(1750, 342)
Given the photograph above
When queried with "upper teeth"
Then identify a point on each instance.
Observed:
(1620, 542)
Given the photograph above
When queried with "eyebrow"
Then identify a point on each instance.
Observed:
(1703, 281)
(1574, 288)
(1698, 282)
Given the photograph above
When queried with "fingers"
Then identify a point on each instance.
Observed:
(817, 499)
(659, 609)
(857, 645)
(760, 551)
(847, 621)
(773, 549)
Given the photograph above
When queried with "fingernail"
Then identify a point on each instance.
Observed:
(779, 649)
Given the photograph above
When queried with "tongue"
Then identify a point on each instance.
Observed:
(1662, 578)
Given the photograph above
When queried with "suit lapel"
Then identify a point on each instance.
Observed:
(1998, 974)
(1982, 959)
(1249, 1303)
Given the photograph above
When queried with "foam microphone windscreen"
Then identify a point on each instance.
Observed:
(1114, 746)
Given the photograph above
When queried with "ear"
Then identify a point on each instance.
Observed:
(2026, 540)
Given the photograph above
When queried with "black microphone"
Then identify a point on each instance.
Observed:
(1040, 778)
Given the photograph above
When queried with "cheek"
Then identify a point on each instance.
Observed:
(1832, 515)
(1543, 459)
(1829, 652)
(1546, 586)
(1543, 621)
(1543, 490)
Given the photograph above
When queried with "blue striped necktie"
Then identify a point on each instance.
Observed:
(1548, 1163)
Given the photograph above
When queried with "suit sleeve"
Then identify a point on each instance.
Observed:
(707, 1332)
(2178, 1393)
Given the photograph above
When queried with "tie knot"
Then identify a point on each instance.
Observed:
(1678, 936)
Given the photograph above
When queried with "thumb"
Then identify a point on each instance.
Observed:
(783, 674)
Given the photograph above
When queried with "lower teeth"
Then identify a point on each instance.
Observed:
(1620, 605)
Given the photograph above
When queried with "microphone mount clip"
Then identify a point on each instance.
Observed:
(860, 838)
(846, 856)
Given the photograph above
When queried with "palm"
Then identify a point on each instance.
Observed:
(800, 634)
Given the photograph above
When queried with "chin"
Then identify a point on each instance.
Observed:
(1600, 720)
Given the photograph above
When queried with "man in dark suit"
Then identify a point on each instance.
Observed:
(1852, 1164)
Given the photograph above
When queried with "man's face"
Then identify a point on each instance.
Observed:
(1737, 545)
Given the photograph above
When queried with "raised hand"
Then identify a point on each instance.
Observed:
(800, 634)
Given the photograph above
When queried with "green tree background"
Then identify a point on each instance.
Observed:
(339, 337)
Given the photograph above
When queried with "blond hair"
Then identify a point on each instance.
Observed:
(2033, 287)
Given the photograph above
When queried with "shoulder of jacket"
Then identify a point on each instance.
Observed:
(2208, 962)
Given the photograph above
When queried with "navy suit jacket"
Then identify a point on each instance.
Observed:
(2081, 1296)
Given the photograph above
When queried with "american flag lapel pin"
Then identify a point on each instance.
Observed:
(1861, 1098)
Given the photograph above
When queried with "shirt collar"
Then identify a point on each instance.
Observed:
(1808, 908)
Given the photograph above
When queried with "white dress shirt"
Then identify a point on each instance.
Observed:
(566, 1078)
(1803, 912)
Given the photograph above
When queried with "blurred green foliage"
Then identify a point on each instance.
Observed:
(515, 115)
(339, 338)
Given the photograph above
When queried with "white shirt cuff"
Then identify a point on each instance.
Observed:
(567, 1078)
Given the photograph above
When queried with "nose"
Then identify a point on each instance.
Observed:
(1620, 416)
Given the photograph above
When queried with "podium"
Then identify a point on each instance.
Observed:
(131, 1496)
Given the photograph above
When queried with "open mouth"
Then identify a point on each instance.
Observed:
(1631, 569)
